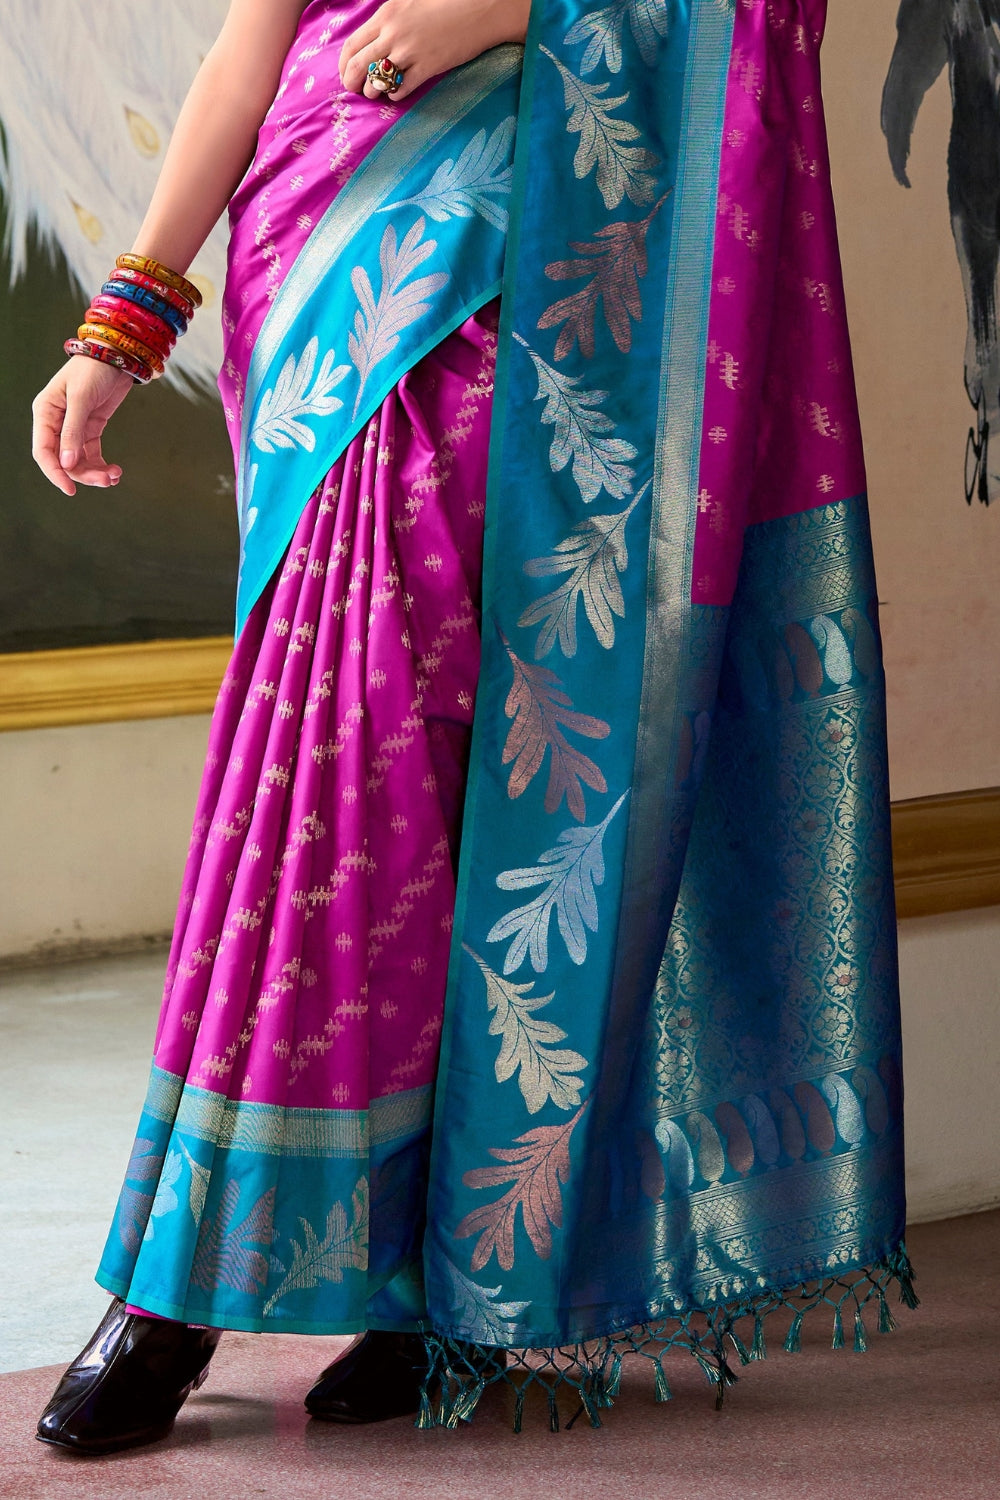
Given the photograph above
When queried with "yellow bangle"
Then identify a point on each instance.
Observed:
(160, 272)
(115, 339)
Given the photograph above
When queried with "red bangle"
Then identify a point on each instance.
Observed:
(153, 338)
(105, 334)
(139, 372)
(159, 288)
(134, 319)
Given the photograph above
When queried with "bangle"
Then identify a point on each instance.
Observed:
(139, 372)
(158, 288)
(134, 321)
(156, 268)
(142, 297)
(105, 334)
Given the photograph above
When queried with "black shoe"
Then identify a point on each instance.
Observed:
(127, 1386)
(379, 1377)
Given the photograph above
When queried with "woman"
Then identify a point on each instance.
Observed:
(676, 1105)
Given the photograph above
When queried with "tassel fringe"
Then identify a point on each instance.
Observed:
(589, 1375)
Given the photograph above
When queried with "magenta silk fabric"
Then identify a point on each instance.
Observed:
(311, 947)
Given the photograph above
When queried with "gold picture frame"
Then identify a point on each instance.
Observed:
(946, 848)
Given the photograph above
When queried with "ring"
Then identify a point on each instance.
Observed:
(385, 76)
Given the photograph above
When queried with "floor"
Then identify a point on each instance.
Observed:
(916, 1418)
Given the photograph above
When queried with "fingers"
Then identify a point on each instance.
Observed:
(48, 414)
(352, 70)
(370, 42)
(66, 438)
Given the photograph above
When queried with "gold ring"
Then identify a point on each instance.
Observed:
(384, 76)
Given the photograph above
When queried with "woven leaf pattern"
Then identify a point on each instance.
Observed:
(134, 1204)
(300, 391)
(379, 322)
(476, 1306)
(541, 710)
(602, 31)
(569, 875)
(344, 1246)
(529, 1047)
(593, 556)
(613, 262)
(582, 433)
(606, 146)
(225, 1253)
(473, 183)
(536, 1166)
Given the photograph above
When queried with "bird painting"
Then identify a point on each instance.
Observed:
(964, 37)
(88, 98)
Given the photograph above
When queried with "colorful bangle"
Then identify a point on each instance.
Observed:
(139, 372)
(147, 299)
(158, 288)
(105, 334)
(156, 269)
(133, 321)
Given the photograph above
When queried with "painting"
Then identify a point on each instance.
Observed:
(962, 37)
(79, 154)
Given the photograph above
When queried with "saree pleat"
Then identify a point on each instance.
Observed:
(305, 985)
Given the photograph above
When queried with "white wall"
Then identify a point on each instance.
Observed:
(93, 829)
(950, 980)
(94, 823)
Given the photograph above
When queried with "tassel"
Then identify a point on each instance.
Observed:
(886, 1322)
(553, 1411)
(793, 1342)
(613, 1384)
(425, 1416)
(466, 1402)
(758, 1349)
(519, 1409)
(860, 1337)
(838, 1329)
(590, 1408)
(740, 1347)
(663, 1391)
(906, 1293)
(709, 1371)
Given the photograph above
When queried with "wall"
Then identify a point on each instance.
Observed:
(938, 559)
(94, 822)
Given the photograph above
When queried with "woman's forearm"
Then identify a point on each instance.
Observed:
(216, 132)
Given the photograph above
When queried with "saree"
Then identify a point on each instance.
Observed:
(534, 982)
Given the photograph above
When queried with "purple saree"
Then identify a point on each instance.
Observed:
(720, 1134)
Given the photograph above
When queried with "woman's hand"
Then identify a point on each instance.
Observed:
(427, 37)
(69, 416)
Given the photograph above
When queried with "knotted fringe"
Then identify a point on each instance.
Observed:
(588, 1375)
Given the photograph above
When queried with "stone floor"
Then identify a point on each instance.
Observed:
(916, 1418)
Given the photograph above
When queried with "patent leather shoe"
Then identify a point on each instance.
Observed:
(379, 1377)
(127, 1385)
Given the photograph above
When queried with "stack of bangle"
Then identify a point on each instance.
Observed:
(137, 318)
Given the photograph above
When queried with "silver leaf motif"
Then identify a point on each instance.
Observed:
(581, 428)
(379, 322)
(295, 395)
(544, 1071)
(473, 183)
(569, 874)
(623, 169)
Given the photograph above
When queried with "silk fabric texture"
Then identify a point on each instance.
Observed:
(666, 1075)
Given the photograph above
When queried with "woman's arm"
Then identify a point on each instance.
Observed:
(211, 147)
